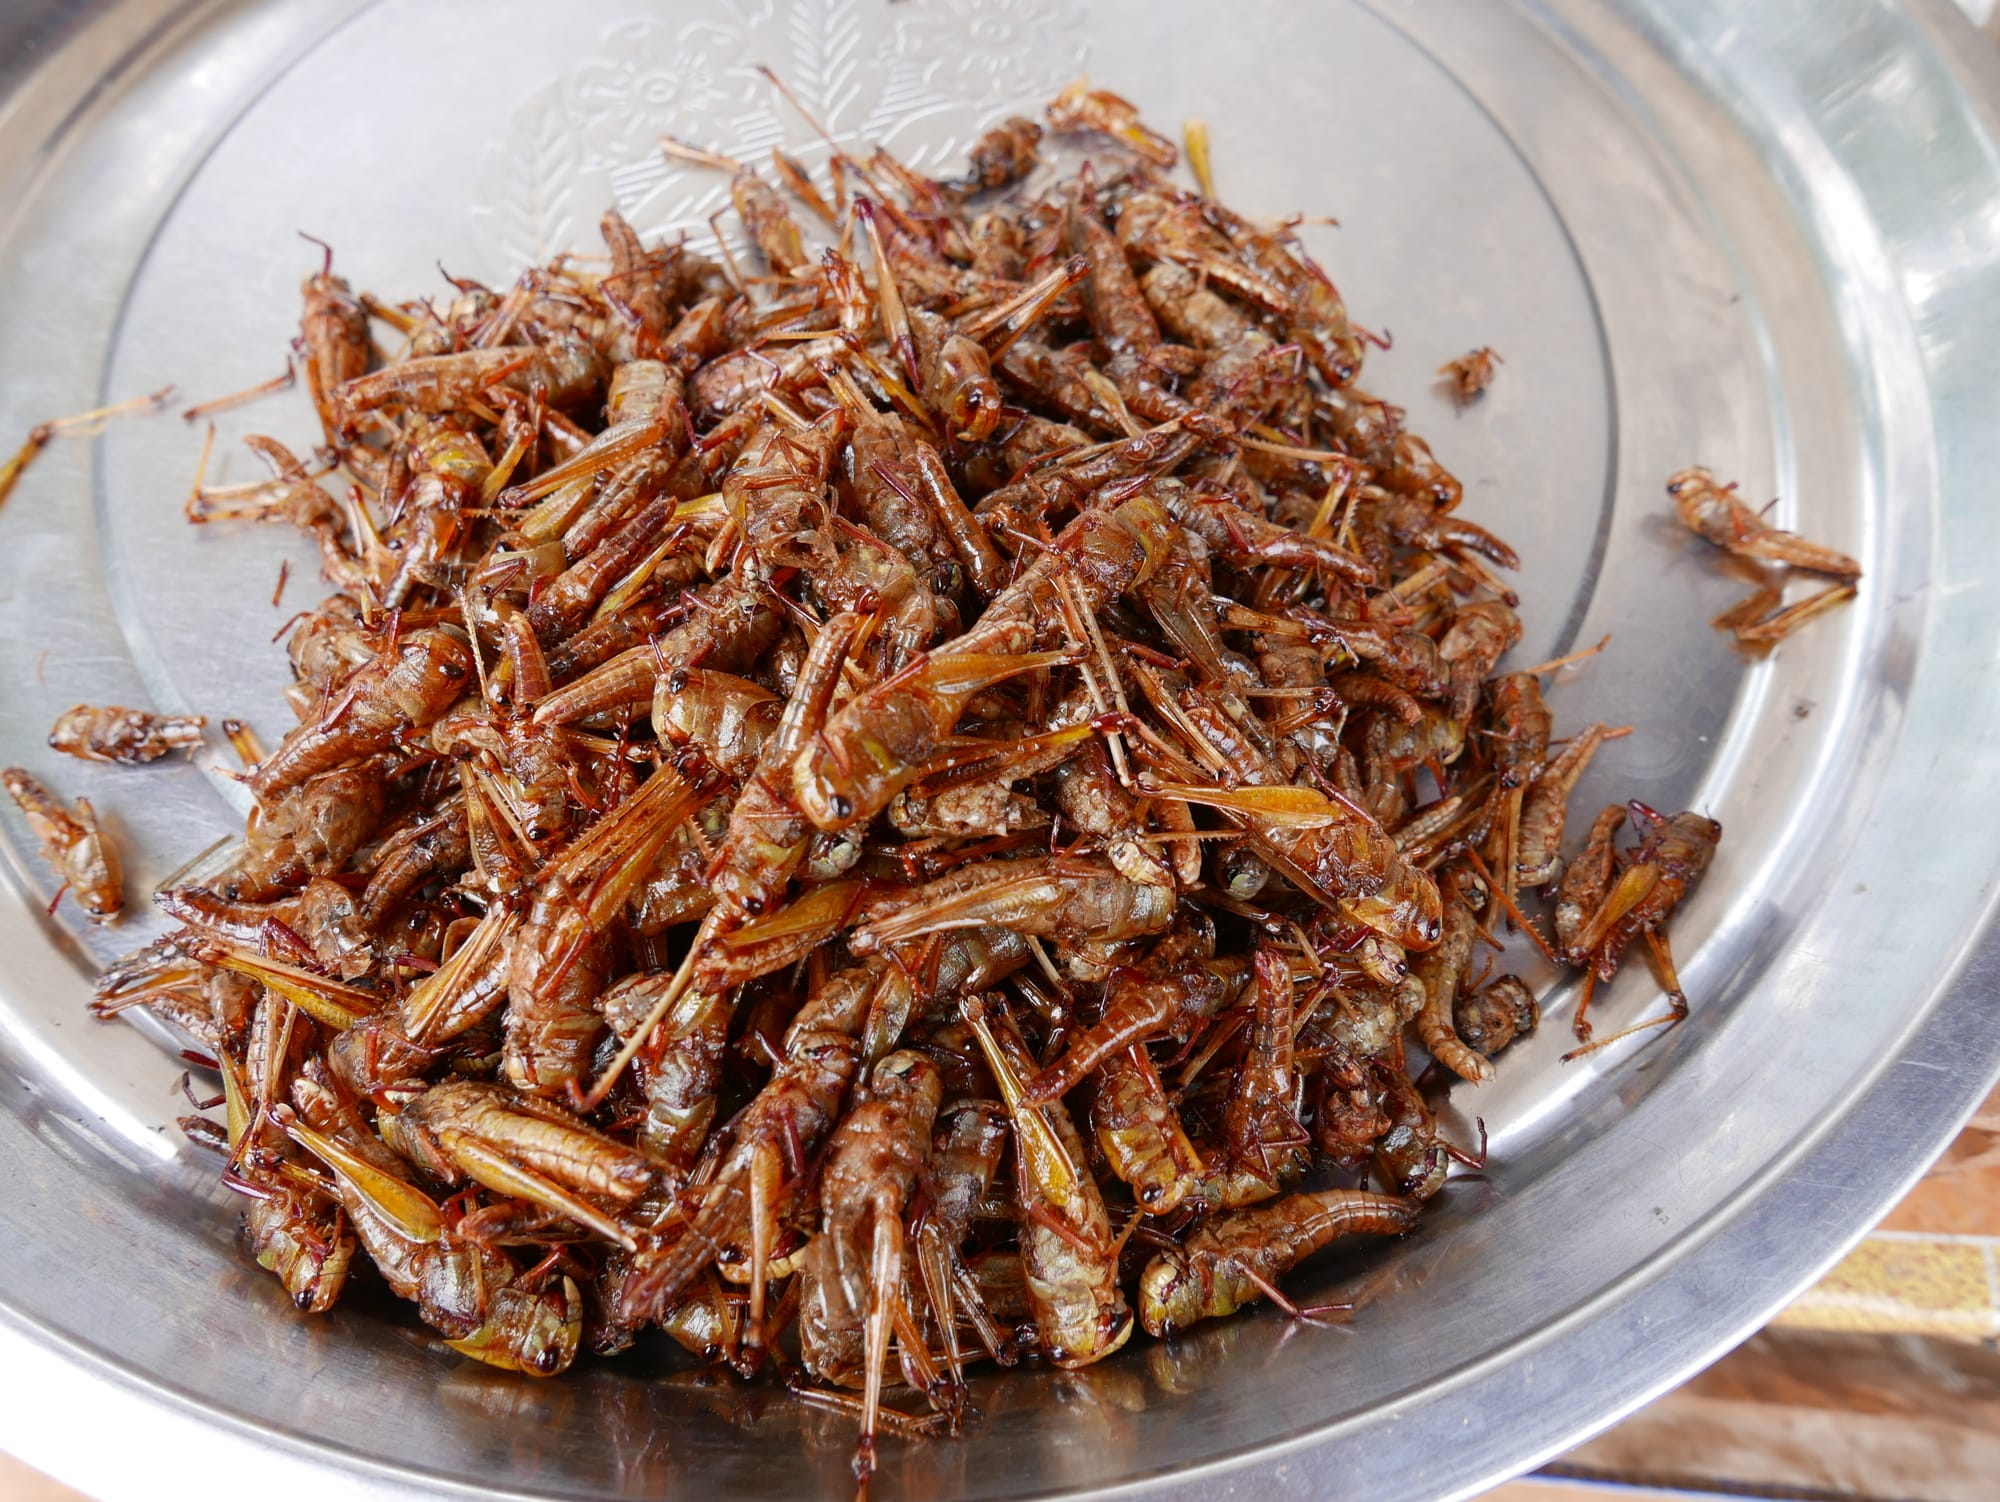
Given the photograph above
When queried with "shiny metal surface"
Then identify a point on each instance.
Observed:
(1759, 237)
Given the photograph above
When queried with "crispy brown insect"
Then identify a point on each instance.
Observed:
(1494, 1016)
(1004, 154)
(922, 784)
(1604, 916)
(397, 694)
(1237, 1258)
(1080, 107)
(106, 732)
(1442, 970)
(74, 845)
(1715, 513)
(1470, 374)
(873, 1165)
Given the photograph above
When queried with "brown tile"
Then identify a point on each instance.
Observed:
(1853, 1416)
(1960, 1196)
(1692, 1441)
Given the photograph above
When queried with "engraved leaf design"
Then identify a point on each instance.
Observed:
(825, 47)
(534, 174)
(920, 77)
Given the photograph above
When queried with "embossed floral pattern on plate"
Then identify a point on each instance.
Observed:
(943, 71)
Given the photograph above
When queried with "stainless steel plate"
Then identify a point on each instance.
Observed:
(1758, 237)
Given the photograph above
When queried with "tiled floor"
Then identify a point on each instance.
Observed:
(1883, 1382)
(1822, 1414)
(1933, 1266)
